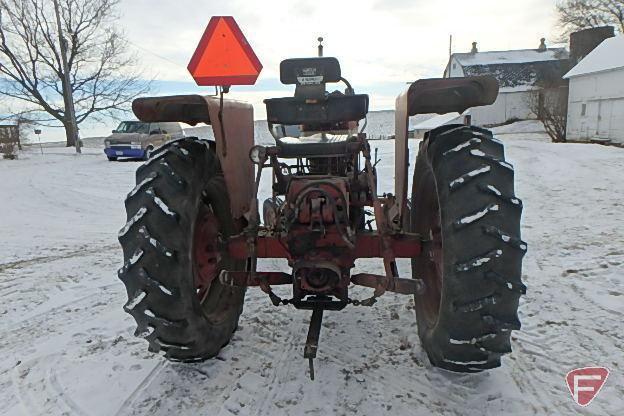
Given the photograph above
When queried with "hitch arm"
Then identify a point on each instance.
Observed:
(396, 284)
(314, 333)
(384, 232)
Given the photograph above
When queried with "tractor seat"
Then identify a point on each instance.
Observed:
(332, 108)
(316, 145)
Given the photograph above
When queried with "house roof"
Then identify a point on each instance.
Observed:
(520, 76)
(518, 70)
(510, 57)
(607, 56)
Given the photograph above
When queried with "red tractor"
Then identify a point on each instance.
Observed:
(194, 233)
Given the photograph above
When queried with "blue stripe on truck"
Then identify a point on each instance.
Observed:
(126, 151)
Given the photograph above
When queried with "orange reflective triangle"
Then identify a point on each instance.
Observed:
(223, 56)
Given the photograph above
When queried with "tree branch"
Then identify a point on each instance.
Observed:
(103, 77)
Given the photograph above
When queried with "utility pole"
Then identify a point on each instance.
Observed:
(68, 96)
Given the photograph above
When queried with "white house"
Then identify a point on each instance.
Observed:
(596, 100)
(517, 72)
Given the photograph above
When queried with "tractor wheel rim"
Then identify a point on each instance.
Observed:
(433, 264)
(206, 255)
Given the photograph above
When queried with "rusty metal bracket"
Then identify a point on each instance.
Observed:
(396, 285)
(252, 235)
(383, 229)
(246, 279)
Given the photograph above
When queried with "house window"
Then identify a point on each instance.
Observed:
(583, 109)
(454, 66)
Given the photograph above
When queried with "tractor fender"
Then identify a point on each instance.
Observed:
(233, 128)
(436, 95)
(234, 136)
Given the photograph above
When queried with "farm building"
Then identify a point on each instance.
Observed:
(9, 135)
(518, 73)
(596, 98)
(419, 128)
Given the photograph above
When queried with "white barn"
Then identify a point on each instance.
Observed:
(517, 72)
(596, 100)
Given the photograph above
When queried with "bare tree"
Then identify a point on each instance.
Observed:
(24, 128)
(103, 79)
(576, 15)
(550, 106)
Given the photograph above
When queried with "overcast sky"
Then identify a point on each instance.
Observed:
(381, 44)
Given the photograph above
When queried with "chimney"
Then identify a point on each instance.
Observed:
(542, 47)
(474, 48)
(585, 41)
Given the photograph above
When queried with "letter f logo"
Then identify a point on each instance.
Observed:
(585, 383)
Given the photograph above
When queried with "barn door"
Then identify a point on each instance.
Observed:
(616, 133)
(605, 107)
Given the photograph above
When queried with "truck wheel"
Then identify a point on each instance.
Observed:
(148, 152)
(463, 205)
(178, 215)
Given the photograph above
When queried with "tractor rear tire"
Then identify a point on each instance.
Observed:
(176, 190)
(463, 205)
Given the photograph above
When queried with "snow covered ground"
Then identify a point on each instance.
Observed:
(66, 346)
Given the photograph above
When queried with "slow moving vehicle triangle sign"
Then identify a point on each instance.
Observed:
(223, 56)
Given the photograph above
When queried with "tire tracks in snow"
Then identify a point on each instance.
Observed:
(284, 364)
(39, 319)
(133, 397)
(39, 284)
(50, 258)
(551, 321)
(238, 386)
(18, 344)
(253, 392)
(39, 391)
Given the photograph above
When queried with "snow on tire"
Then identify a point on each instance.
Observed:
(179, 186)
(464, 206)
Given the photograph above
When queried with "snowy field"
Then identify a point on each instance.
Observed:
(66, 346)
